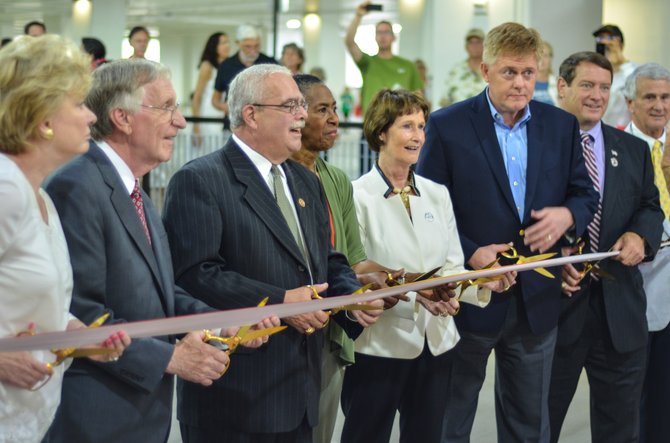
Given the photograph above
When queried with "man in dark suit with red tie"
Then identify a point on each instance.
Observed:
(603, 325)
(121, 263)
(245, 223)
(515, 172)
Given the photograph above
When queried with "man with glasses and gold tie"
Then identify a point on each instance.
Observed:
(246, 223)
(602, 327)
(647, 92)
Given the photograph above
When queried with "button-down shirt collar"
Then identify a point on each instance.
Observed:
(513, 144)
(121, 167)
(650, 140)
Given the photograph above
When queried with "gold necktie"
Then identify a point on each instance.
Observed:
(659, 178)
(287, 211)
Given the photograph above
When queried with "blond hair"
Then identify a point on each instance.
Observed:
(511, 39)
(36, 74)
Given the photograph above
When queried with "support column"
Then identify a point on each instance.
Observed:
(643, 24)
(108, 24)
(411, 16)
(324, 47)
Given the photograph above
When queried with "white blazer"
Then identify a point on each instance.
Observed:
(427, 241)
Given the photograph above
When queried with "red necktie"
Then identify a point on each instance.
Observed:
(136, 197)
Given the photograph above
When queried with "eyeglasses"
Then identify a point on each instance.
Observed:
(292, 106)
(170, 109)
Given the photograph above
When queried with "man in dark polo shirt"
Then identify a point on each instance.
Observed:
(249, 53)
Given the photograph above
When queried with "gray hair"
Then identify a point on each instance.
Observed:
(120, 85)
(652, 71)
(247, 31)
(248, 88)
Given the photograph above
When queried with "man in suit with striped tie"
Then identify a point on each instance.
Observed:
(245, 223)
(647, 92)
(602, 326)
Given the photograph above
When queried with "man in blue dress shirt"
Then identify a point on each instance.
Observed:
(515, 172)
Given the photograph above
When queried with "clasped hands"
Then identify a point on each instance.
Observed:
(440, 301)
(309, 322)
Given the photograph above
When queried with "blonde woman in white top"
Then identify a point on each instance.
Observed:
(43, 124)
(406, 221)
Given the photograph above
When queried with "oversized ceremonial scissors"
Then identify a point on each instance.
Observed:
(244, 335)
(512, 254)
(390, 281)
(65, 353)
(591, 267)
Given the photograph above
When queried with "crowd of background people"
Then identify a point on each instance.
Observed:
(518, 160)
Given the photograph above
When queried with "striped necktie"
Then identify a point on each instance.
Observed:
(591, 166)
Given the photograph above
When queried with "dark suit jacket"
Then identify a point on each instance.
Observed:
(116, 271)
(231, 248)
(462, 152)
(630, 204)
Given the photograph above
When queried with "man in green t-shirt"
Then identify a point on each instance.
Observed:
(383, 70)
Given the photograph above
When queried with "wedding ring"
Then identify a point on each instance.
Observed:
(114, 359)
(506, 288)
(564, 285)
(309, 331)
(549, 237)
(325, 323)
(444, 314)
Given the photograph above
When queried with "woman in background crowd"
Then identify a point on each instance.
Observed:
(43, 124)
(96, 49)
(293, 57)
(545, 84)
(216, 51)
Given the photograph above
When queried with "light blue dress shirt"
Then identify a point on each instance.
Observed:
(513, 144)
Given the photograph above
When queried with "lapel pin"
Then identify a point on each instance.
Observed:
(614, 161)
(301, 202)
(429, 216)
(614, 153)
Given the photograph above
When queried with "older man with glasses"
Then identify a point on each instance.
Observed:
(121, 263)
(246, 223)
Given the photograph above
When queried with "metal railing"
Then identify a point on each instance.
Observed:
(350, 153)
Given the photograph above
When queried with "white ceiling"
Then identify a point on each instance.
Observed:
(179, 13)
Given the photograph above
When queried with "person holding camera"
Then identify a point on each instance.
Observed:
(609, 42)
(383, 70)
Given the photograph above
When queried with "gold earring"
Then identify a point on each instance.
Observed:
(48, 134)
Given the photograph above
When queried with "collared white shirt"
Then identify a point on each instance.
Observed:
(121, 166)
(632, 129)
(263, 165)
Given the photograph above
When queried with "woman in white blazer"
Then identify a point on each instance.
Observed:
(406, 221)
